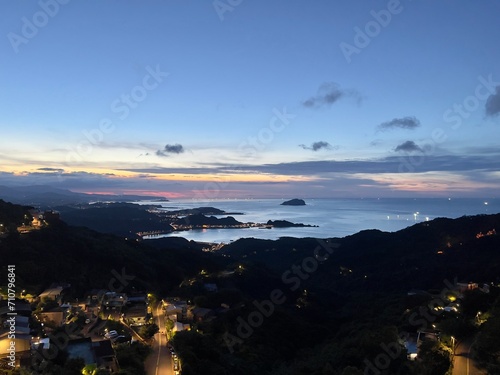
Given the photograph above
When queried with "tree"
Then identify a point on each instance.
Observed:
(169, 324)
(436, 360)
(74, 366)
(487, 346)
(131, 358)
(149, 330)
(89, 369)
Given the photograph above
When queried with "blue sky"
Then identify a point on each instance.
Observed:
(239, 98)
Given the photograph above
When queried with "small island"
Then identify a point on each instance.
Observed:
(294, 202)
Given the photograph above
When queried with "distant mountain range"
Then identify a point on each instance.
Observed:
(47, 196)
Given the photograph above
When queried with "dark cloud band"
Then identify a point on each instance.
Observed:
(409, 122)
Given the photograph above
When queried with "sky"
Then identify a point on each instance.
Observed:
(251, 99)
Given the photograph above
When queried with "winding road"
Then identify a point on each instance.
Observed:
(462, 362)
(160, 361)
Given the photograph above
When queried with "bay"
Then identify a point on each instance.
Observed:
(334, 217)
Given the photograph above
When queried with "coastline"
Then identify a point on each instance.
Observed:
(334, 217)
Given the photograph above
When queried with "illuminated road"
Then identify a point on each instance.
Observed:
(463, 364)
(160, 361)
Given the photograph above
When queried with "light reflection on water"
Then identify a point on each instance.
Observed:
(335, 217)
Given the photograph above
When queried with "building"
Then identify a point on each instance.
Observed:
(136, 315)
(53, 293)
(37, 218)
(112, 305)
(112, 299)
(201, 314)
(105, 355)
(56, 316)
(138, 298)
(181, 327)
(177, 311)
(462, 287)
(94, 296)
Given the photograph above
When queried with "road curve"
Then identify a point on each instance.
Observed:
(462, 361)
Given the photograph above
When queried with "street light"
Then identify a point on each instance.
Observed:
(453, 344)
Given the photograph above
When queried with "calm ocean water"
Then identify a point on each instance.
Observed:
(335, 217)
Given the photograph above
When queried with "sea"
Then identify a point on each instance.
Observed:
(333, 217)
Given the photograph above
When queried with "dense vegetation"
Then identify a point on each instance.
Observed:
(339, 315)
(87, 259)
(12, 216)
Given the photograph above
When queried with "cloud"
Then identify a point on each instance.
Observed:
(409, 122)
(408, 146)
(47, 169)
(463, 163)
(170, 149)
(475, 171)
(493, 103)
(328, 93)
(316, 146)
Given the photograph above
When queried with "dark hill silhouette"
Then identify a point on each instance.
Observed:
(87, 259)
(199, 220)
(122, 219)
(419, 256)
(45, 196)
